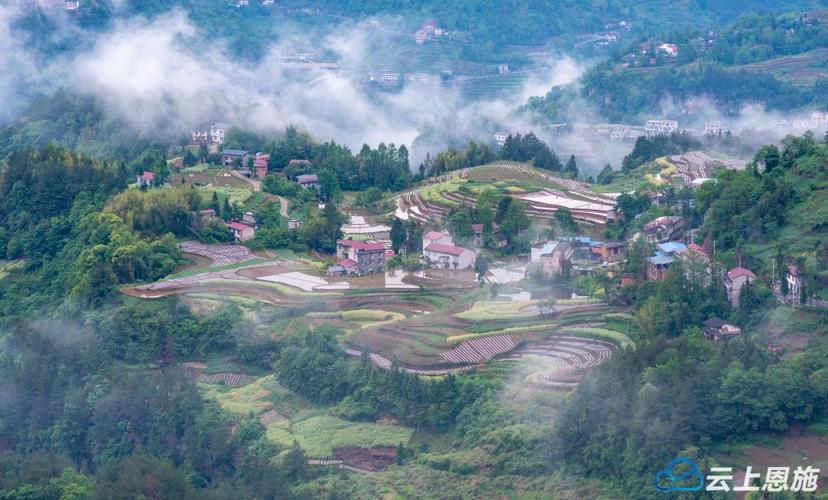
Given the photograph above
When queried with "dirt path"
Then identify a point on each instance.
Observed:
(256, 187)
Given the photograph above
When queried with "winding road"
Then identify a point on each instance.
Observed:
(256, 187)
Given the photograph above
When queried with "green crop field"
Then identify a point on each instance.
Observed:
(618, 338)
(497, 310)
(319, 435)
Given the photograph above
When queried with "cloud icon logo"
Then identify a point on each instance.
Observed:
(681, 475)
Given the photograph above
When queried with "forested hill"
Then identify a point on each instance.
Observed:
(512, 22)
(532, 22)
(776, 60)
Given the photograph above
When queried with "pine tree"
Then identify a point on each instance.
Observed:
(227, 210)
(397, 235)
(571, 166)
(215, 204)
(295, 463)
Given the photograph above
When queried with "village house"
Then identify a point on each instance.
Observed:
(249, 219)
(306, 181)
(696, 262)
(218, 131)
(443, 237)
(551, 257)
(200, 136)
(500, 138)
(656, 198)
(665, 228)
(234, 158)
(146, 179)
(627, 279)
(299, 163)
(361, 257)
(386, 78)
(241, 231)
(207, 213)
(668, 49)
(448, 256)
(609, 251)
(500, 240)
(795, 278)
(337, 270)
(718, 330)
(695, 251)
(735, 279)
(294, 224)
(660, 127)
(664, 257)
(260, 164)
(712, 128)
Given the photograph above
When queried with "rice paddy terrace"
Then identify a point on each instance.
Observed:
(562, 341)
(438, 326)
(696, 165)
(543, 193)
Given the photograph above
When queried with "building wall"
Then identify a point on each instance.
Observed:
(245, 234)
(464, 261)
(552, 264)
(370, 262)
(734, 289)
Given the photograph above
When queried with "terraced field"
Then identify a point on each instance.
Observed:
(801, 68)
(544, 194)
(570, 337)
(695, 165)
(570, 358)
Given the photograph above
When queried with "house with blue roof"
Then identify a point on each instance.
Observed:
(234, 157)
(663, 258)
(551, 257)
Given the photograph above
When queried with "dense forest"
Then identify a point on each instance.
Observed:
(83, 431)
(98, 400)
(636, 79)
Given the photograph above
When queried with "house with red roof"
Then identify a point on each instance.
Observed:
(306, 181)
(696, 250)
(361, 257)
(735, 279)
(478, 235)
(241, 231)
(430, 237)
(146, 179)
(447, 256)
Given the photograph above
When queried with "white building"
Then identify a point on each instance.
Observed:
(819, 121)
(660, 127)
(712, 128)
(445, 256)
(218, 131)
(668, 49)
(500, 138)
